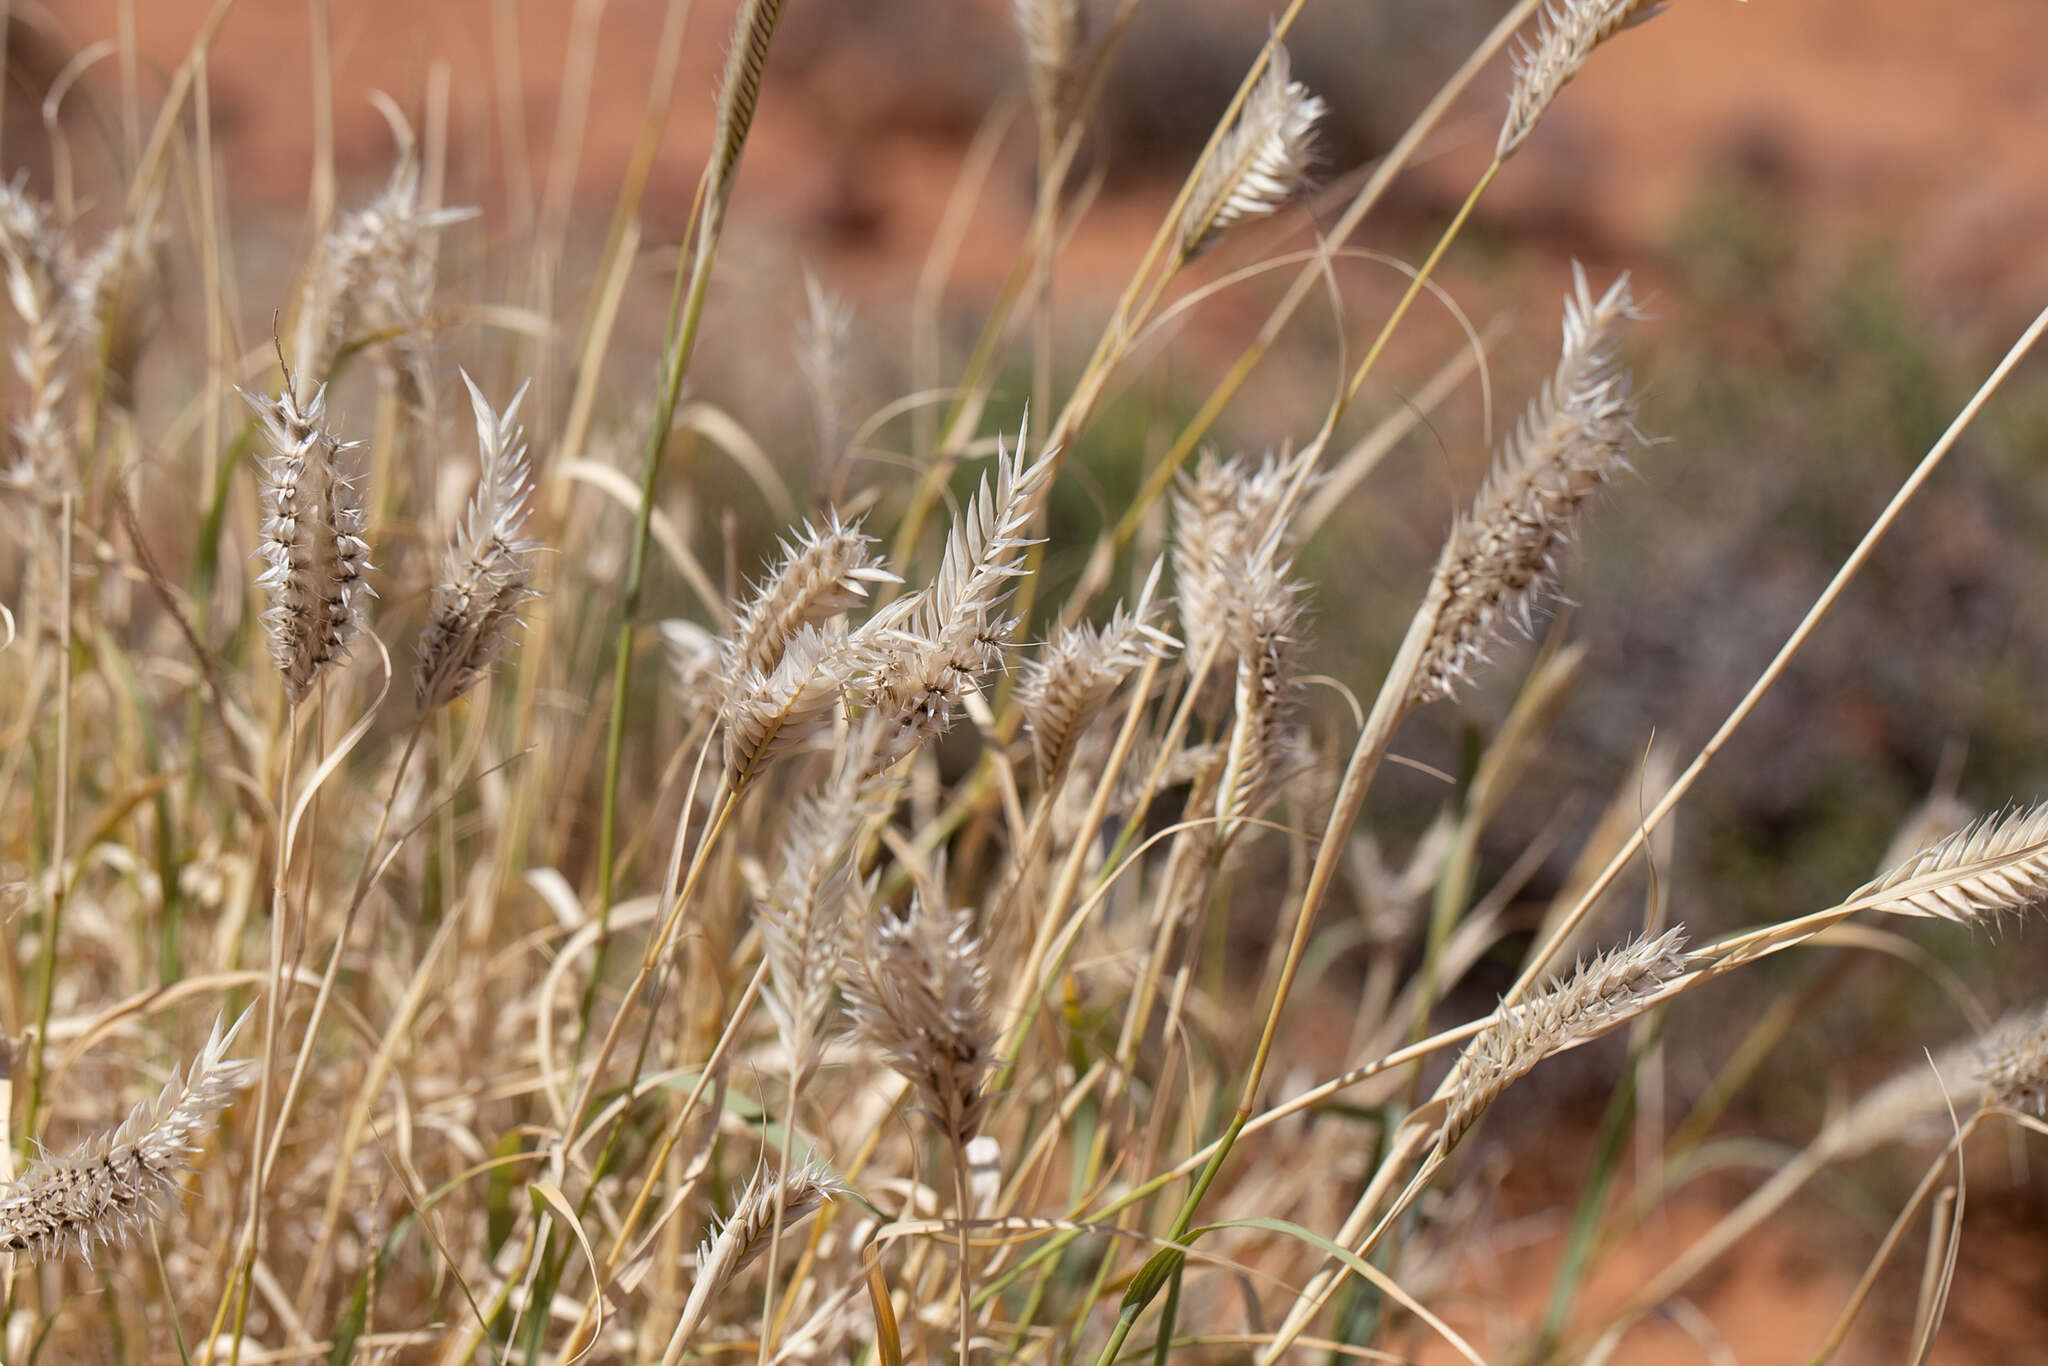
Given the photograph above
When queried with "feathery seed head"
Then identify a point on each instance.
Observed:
(1988, 868)
(1600, 996)
(823, 573)
(917, 992)
(110, 1186)
(818, 886)
(765, 1207)
(917, 658)
(376, 270)
(1227, 516)
(1566, 37)
(2014, 1066)
(312, 538)
(1053, 32)
(696, 661)
(1066, 685)
(821, 358)
(1502, 555)
(767, 712)
(1261, 163)
(38, 286)
(1265, 617)
(488, 570)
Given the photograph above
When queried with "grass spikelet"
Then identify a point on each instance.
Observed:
(822, 573)
(1260, 164)
(2014, 1067)
(764, 1207)
(917, 992)
(1565, 40)
(805, 907)
(1064, 688)
(739, 93)
(922, 654)
(1993, 866)
(1053, 32)
(1224, 514)
(312, 538)
(37, 286)
(696, 662)
(821, 359)
(1502, 555)
(376, 272)
(1610, 990)
(768, 712)
(1263, 622)
(110, 1186)
(488, 569)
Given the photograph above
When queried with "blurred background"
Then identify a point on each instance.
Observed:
(1834, 212)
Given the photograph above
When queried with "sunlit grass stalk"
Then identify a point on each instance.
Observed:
(738, 96)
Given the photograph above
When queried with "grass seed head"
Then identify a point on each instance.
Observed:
(1501, 556)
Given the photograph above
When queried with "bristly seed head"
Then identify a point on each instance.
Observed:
(1261, 163)
(1565, 40)
(917, 991)
(1502, 555)
(108, 1187)
(915, 659)
(1600, 996)
(2014, 1067)
(1066, 685)
(489, 568)
(1988, 868)
(312, 538)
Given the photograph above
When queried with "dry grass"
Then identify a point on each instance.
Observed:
(608, 932)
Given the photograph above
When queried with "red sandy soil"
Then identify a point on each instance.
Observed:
(1918, 121)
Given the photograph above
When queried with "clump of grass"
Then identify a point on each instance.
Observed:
(540, 980)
